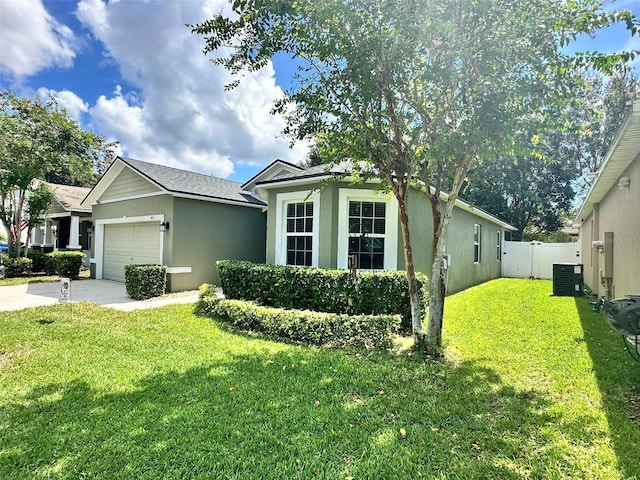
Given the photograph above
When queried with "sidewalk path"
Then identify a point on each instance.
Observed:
(102, 292)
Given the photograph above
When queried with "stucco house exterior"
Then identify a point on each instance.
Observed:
(609, 217)
(317, 218)
(148, 213)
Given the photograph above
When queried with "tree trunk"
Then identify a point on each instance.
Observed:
(437, 291)
(414, 298)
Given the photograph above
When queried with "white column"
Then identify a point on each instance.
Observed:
(74, 233)
(48, 234)
(36, 236)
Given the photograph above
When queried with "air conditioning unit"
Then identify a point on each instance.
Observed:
(568, 279)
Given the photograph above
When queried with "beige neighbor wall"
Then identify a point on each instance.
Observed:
(618, 212)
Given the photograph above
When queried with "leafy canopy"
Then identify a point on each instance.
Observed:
(37, 139)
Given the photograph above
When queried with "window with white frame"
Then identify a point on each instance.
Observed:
(477, 238)
(297, 228)
(368, 229)
(367, 233)
(299, 233)
(498, 245)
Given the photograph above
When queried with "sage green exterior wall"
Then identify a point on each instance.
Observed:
(200, 233)
(328, 228)
(157, 205)
(205, 232)
(463, 272)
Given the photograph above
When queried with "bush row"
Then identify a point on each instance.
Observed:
(145, 281)
(315, 328)
(65, 264)
(321, 290)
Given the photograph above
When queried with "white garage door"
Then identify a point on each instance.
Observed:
(127, 243)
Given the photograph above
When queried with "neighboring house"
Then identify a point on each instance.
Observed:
(68, 224)
(317, 218)
(609, 217)
(148, 213)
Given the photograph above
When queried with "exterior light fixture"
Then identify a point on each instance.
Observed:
(164, 226)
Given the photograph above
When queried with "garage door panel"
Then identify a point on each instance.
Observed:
(129, 243)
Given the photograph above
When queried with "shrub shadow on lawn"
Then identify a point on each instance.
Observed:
(299, 413)
(618, 377)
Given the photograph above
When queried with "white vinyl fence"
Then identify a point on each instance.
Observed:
(535, 259)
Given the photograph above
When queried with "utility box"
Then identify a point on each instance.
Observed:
(568, 279)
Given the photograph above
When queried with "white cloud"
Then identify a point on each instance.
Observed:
(31, 39)
(68, 100)
(177, 112)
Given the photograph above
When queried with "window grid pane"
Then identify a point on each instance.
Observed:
(299, 224)
(477, 237)
(367, 225)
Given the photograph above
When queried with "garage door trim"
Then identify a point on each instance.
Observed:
(99, 236)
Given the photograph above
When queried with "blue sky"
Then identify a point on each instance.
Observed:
(132, 71)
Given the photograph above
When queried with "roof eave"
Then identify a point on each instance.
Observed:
(623, 151)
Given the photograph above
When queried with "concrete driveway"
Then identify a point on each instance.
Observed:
(102, 292)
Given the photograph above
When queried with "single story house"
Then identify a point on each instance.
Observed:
(148, 213)
(316, 217)
(68, 224)
(609, 217)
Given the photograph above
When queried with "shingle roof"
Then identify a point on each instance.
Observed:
(178, 181)
(68, 196)
(316, 171)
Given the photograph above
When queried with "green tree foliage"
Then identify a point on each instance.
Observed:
(38, 137)
(536, 193)
(418, 89)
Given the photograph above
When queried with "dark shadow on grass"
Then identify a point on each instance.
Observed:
(300, 413)
(618, 377)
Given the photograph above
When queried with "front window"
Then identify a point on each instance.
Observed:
(367, 233)
(299, 233)
(477, 237)
(498, 246)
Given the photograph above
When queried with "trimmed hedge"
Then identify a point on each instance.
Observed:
(17, 267)
(42, 263)
(315, 328)
(321, 290)
(66, 263)
(145, 281)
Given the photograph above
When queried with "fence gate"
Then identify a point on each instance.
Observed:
(536, 259)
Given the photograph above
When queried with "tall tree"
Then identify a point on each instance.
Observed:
(595, 121)
(37, 137)
(418, 89)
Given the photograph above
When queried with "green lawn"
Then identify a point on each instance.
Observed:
(533, 387)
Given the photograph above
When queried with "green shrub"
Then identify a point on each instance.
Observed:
(321, 290)
(65, 264)
(42, 262)
(17, 267)
(145, 281)
(315, 328)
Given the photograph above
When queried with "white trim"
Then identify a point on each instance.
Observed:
(99, 236)
(262, 188)
(391, 224)
(178, 269)
(130, 197)
(281, 200)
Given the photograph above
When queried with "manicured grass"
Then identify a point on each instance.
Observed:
(533, 387)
